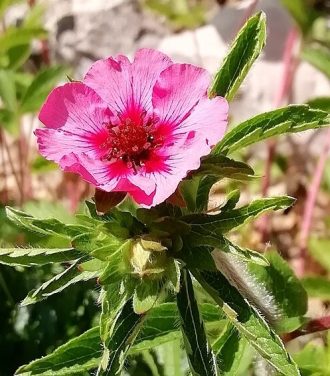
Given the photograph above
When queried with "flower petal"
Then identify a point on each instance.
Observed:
(177, 90)
(74, 116)
(210, 117)
(93, 171)
(124, 85)
(170, 169)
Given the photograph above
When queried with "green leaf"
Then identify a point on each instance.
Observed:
(17, 56)
(161, 325)
(147, 294)
(75, 357)
(123, 333)
(248, 322)
(232, 199)
(229, 349)
(8, 89)
(317, 287)
(112, 301)
(244, 51)
(83, 353)
(19, 36)
(301, 12)
(313, 359)
(9, 121)
(319, 250)
(5, 4)
(116, 266)
(171, 354)
(41, 164)
(211, 239)
(58, 283)
(223, 222)
(318, 56)
(201, 358)
(280, 281)
(291, 119)
(203, 191)
(224, 167)
(36, 256)
(321, 103)
(45, 226)
(40, 87)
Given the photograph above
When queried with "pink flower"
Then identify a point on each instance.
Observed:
(136, 127)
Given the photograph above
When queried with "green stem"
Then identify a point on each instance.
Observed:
(201, 359)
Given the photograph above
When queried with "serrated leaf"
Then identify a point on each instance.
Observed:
(36, 256)
(173, 274)
(200, 356)
(318, 56)
(212, 239)
(218, 224)
(229, 349)
(40, 87)
(116, 267)
(317, 287)
(291, 119)
(112, 301)
(231, 200)
(203, 191)
(83, 353)
(223, 167)
(123, 333)
(244, 51)
(162, 325)
(147, 295)
(248, 322)
(45, 226)
(73, 358)
(279, 280)
(58, 283)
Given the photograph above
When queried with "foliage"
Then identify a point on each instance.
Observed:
(160, 283)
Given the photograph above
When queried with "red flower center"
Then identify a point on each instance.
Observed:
(132, 140)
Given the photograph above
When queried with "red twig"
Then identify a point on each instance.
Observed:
(313, 326)
(4, 169)
(12, 167)
(290, 63)
(309, 207)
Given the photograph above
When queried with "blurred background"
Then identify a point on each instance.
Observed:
(42, 43)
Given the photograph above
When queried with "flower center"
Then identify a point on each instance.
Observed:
(132, 141)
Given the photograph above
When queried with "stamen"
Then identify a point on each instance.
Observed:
(131, 141)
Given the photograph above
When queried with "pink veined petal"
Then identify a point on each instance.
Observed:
(93, 171)
(210, 117)
(177, 90)
(175, 166)
(74, 116)
(146, 68)
(124, 85)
